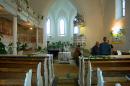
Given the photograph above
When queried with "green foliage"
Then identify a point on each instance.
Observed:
(79, 20)
(57, 45)
(21, 46)
(39, 49)
(44, 50)
(2, 48)
(120, 34)
(26, 1)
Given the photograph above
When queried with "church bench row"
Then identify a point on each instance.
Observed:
(108, 66)
(122, 66)
(15, 67)
(112, 64)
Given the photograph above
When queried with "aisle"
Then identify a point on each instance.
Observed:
(66, 74)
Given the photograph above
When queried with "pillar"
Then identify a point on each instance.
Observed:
(37, 38)
(44, 38)
(15, 35)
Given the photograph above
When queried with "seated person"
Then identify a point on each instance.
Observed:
(95, 49)
(105, 48)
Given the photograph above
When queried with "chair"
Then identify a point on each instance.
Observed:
(28, 78)
(100, 78)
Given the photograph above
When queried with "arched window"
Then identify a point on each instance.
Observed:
(123, 7)
(76, 30)
(48, 26)
(120, 8)
(61, 27)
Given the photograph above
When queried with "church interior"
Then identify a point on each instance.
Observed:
(64, 43)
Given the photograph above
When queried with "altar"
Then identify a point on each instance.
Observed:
(64, 57)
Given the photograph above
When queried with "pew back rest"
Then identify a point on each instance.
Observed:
(28, 78)
(100, 77)
(39, 76)
(89, 74)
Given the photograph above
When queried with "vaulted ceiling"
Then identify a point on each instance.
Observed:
(42, 6)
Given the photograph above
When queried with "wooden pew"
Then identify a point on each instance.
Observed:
(112, 64)
(14, 68)
(114, 69)
(89, 74)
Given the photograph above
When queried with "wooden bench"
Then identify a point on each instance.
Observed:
(114, 69)
(113, 66)
(14, 68)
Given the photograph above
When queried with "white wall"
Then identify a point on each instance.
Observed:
(109, 20)
(127, 22)
(93, 15)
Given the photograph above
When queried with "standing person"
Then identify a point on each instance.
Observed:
(76, 55)
(95, 49)
(105, 48)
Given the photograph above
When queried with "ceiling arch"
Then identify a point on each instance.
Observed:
(42, 6)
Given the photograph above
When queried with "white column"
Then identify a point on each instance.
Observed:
(15, 35)
(44, 38)
(37, 38)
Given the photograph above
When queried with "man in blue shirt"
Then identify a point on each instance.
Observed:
(105, 48)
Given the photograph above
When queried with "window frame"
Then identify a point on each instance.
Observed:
(78, 30)
(61, 26)
(123, 2)
(120, 9)
(48, 33)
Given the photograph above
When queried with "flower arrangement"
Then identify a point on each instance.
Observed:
(118, 35)
(79, 20)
